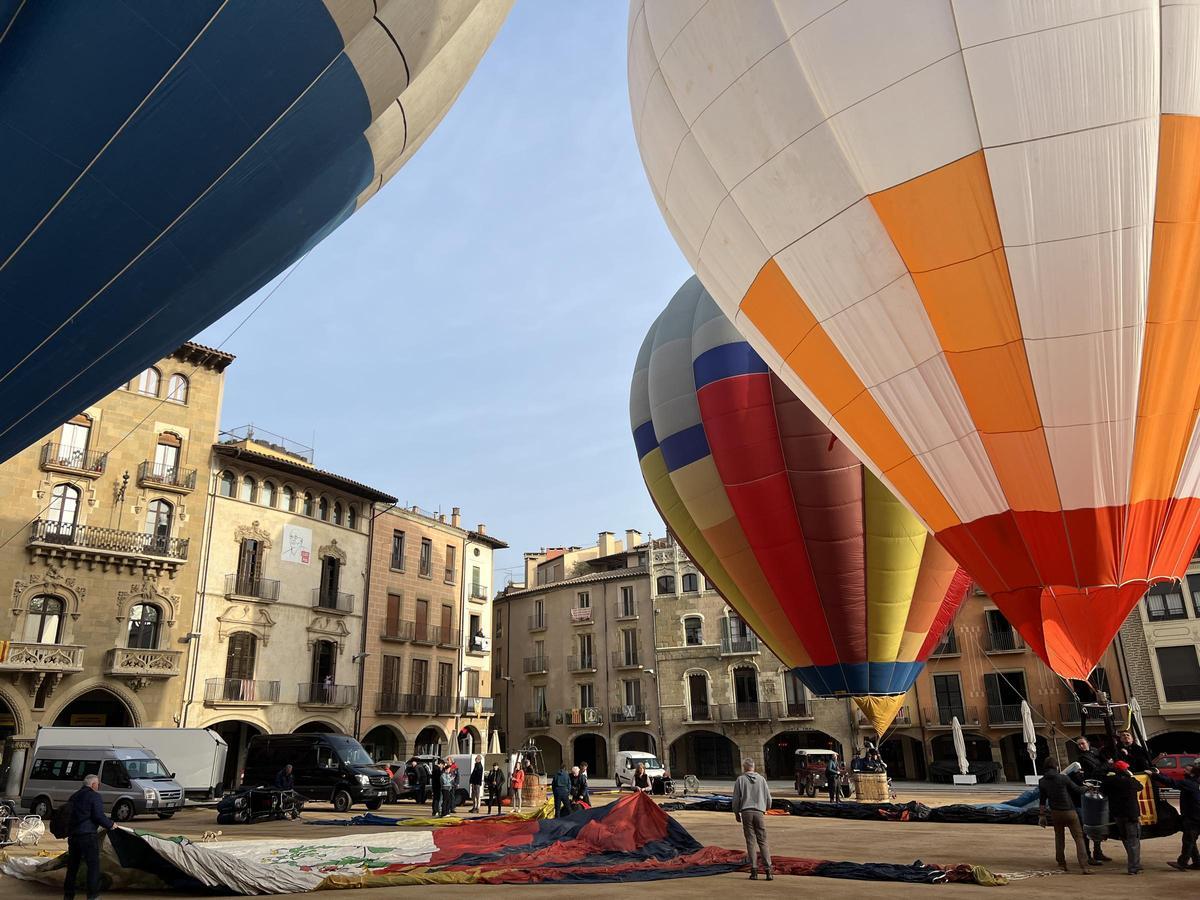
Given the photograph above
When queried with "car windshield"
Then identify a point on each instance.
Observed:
(650, 763)
(146, 768)
(352, 753)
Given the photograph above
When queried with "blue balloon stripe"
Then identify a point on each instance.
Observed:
(684, 447)
(644, 439)
(727, 361)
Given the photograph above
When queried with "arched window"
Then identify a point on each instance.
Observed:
(352, 516)
(143, 627)
(64, 508)
(665, 585)
(289, 498)
(693, 631)
(177, 388)
(337, 513)
(308, 504)
(691, 583)
(166, 457)
(699, 702)
(72, 451)
(249, 489)
(228, 483)
(43, 622)
(323, 509)
(158, 525)
(148, 382)
(268, 493)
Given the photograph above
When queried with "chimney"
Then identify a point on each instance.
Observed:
(455, 516)
(481, 528)
(632, 538)
(442, 518)
(606, 543)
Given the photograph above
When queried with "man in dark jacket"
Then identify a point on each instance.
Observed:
(284, 779)
(1122, 791)
(450, 782)
(1189, 815)
(833, 777)
(1092, 767)
(476, 783)
(560, 786)
(435, 782)
(1130, 752)
(422, 781)
(83, 843)
(494, 782)
(1056, 800)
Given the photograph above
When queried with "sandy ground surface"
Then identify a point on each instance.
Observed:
(1002, 848)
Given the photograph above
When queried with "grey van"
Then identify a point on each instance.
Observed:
(132, 781)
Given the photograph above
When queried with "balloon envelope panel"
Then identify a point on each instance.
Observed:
(838, 577)
(964, 234)
(161, 161)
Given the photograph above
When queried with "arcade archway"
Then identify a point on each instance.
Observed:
(552, 752)
(637, 740)
(779, 753)
(316, 728)
(593, 750)
(236, 734)
(98, 708)
(384, 743)
(430, 741)
(704, 754)
(904, 757)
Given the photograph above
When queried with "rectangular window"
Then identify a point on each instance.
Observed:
(390, 681)
(398, 550)
(665, 584)
(628, 605)
(629, 646)
(477, 589)
(473, 683)
(391, 627)
(584, 600)
(539, 649)
(1180, 673)
(475, 633)
(447, 621)
(539, 699)
(1164, 602)
(445, 679)
(708, 585)
(1194, 589)
(451, 562)
(425, 566)
(947, 692)
(693, 631)
(691, 582)
(421, 623)
(586, 695)
(633, 694)
(419, 683)
(797, 698)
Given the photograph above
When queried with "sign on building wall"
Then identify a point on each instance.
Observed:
(297, 545)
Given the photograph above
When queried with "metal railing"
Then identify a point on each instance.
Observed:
(1069, 711)
(416, 704)
(60, 457)
(478, 592)
(627, 609)
(24, 656)
(537, 622)
(585, 663)
(628, 713)
(449, 637)
(703, 712)
(476, 706)
(939, 717)
(731, 645)
(581, 615)
(745, 711)
(129, 661)
(903, 718)
(584, 715)
(948, 645)
(1009, 713)
(322, 598)
(537, 665)
(537, 719)
(106, 540)
(794, 709)
(240, 585)
(326, 694)
(150, 472)
(628, 658)
(1004, 642)
(240, 690)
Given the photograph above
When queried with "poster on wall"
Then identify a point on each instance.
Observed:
(297, 545)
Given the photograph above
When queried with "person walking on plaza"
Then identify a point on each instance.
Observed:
(1122, 791)
(1056, 801)
(476, 784)
(494, 782)
(1189, 815)
(1092, 767)
(833, 777)
(518, 785)
(435, 788)
(751, 800)
(83, 843)
(560, 786)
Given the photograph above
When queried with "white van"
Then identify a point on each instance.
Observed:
(627, 763)
(132, 781)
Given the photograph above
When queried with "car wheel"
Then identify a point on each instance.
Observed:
(41, 808)
(342, 801)
(242, 816)
(167, 814)
(810, 790)
(374, 804)
(122, 811)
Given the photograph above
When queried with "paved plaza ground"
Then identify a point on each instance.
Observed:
(1002, 848)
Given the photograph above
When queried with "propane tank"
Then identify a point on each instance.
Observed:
(1093, 811)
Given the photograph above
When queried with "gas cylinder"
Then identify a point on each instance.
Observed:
(1093, 812)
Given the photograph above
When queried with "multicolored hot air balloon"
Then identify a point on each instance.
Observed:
(161, 161)
(966, 235)
(834, 573)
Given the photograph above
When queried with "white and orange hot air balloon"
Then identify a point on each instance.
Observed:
(965, 233)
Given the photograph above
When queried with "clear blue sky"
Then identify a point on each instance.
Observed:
(467, 338)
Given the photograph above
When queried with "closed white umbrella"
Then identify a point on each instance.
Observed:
(960, 745)
(494, 747)
(1135, 716)
(1029, 733)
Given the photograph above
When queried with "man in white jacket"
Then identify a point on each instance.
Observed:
(751, 800)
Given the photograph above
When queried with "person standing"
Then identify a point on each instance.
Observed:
(585, 789)
(83, 843)
(560, 786)
(422, 781)
(1056, 805)
(435, 787)
(518, 785)
(494, 782)
(1131, 752)
(1122, 791)
(476, 784)
(1092, 767)
(450, 783)
(833, 775)
(1189, 815)
(751, 800)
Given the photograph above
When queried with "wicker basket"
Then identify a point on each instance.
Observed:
(534, 792)
(871, 787)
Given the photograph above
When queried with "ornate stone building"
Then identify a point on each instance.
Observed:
(100, 530)
(278, 626)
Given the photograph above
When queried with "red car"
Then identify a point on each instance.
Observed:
(1175, 765)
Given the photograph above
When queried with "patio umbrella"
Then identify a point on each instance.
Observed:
(1135, 719)
(494, 746)
(1028, 733)
(960, 746)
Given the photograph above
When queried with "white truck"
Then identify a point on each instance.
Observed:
(195, 755)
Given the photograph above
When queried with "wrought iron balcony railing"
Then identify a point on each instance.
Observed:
(478, 592)
(326, 694)
(948, 645)
(476, 706)
(583, 663)
(731, 646)
(336, 601)
(537, 719)
(238, 585)
(1009, 713)
(1004, 642)
(629, 713)
(240, 690)
(793, 709)
(155, 474)
(627, 609)
(746, 711)
(58, 456)
(416, 704)
(537, 622)
(584, 715)
(629, 658)
(106, 540)
(536, 665)
(939, 717)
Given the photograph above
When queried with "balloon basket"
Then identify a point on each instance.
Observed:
(965, 779)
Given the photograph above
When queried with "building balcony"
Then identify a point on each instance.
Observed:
(332, 601)
(734, 646)
(1009, 713)
(423, 633)
(23, 656)
(240, 692)
(537, 665)
(702, 713)
(477, 592)
(746, 711)
(142, 666)
(71, 461)
(904, 718)
(537, 622)
(537, 719)
(416, 704)
(251, 587)
(625, 715)
(940, 717)
(1071, 711)
(585, 715)
(479, 645)
(582, 663)
(627, 659)
(627, 611)
(340, 696)
(947, 646)
(476, 706)
(1004, 642)
(793, 709)
(91, 545)
(581, 615)
(166, 478)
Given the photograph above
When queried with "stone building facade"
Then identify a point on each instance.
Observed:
(427, 682)
(278, 628)
(101, 527)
